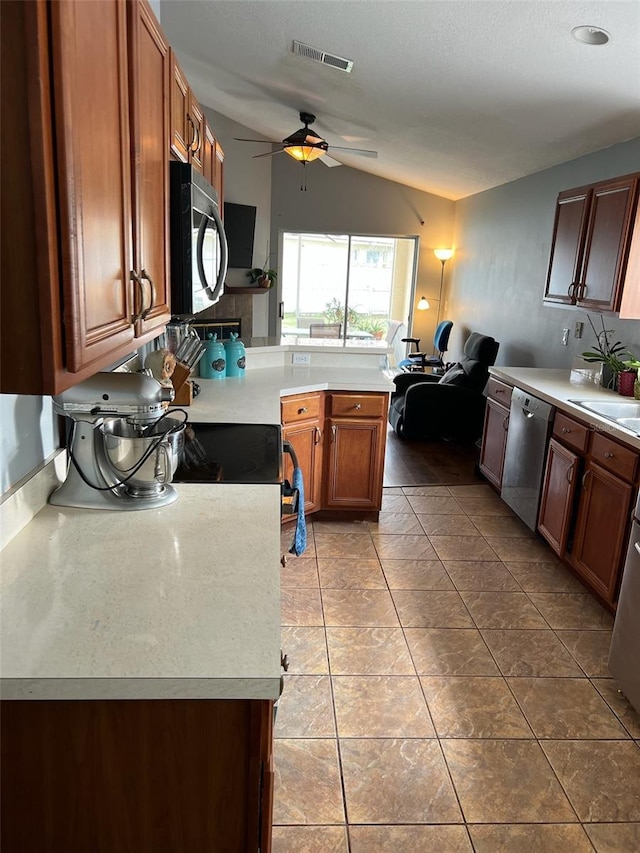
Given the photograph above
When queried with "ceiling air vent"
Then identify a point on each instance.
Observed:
(322, 56)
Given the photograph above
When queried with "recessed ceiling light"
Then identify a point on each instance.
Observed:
(590, 35)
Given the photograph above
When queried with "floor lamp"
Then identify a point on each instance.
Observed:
(443, 256)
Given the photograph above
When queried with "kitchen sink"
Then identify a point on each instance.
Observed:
(624, 413)
(630, 423)
(612, 410)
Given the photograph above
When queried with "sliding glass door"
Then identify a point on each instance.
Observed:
(344, 286)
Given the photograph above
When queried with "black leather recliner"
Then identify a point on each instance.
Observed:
(452, 406)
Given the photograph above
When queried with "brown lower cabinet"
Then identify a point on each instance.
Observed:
(585, 517)
(303, 426)
(339, 438)
(355, 464)
(556, 505)
(601, 530)
(496, 427)
(137, 776)
(494, 443)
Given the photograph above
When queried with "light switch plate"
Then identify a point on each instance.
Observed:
(301, 358)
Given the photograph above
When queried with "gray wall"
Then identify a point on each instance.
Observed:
(497, 276)
(345, 200)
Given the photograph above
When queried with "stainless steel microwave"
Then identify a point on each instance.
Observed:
(198, 242)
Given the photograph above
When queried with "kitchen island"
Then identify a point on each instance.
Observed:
(141, 655)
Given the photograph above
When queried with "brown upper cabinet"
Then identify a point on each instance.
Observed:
(187, 131)
(191, 139)
(84, 252)
(212, 160)
(591, 244)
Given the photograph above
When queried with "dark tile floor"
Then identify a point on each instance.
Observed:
(448, 690)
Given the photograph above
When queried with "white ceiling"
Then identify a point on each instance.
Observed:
(457, 96)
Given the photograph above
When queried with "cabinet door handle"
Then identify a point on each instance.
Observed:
(318, 437)
(357, 407)
(302, 410)
(585, 480)
(505, 423)
(608, 454)
(499, 390)
(334, 430)
(565, 431)
(194, 144)
(582, 289)
(193, 133)
(570, 474)
(144, 276)
(284, 662)
(283, 560)
(135, 278)
(571, 291)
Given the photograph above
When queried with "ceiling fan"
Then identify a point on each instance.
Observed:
(304, 146)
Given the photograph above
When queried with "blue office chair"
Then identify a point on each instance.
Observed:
(418, 361)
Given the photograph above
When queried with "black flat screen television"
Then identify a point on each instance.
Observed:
(239, 226)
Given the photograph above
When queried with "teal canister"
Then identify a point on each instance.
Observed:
(213, 362)
(235, 355)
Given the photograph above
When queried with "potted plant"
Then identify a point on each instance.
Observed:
(610, 355)
(263, 276)
(374, 326)
(334, 313)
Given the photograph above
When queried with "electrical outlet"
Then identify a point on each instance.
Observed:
(577, 331)
(301, 358)
(565, 337)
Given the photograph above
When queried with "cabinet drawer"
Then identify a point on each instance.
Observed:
(359, 405)
(303, 407)
(570, 432)
(613, 456)
(499, 391)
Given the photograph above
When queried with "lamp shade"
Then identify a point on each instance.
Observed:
(443, 254)
(304, 153)
(423, 304)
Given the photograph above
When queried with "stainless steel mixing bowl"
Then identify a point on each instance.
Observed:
(145, 461)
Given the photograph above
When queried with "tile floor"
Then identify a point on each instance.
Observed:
(448, 690)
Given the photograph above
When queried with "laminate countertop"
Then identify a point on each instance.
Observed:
(182, 601)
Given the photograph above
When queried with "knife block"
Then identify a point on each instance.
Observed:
(181, 385)
(184, 397)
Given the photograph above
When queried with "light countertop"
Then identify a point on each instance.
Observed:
(553, 386)
(255, 397)
(182, 601)
(161, 603)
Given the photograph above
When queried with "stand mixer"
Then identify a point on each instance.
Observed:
(124, 446)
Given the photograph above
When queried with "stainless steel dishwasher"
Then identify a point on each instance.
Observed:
(529, 424)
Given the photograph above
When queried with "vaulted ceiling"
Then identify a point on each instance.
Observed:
(456, 96)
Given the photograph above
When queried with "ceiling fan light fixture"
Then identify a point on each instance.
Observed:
(304, 153)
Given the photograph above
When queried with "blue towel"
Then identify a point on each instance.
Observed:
(300, 536)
